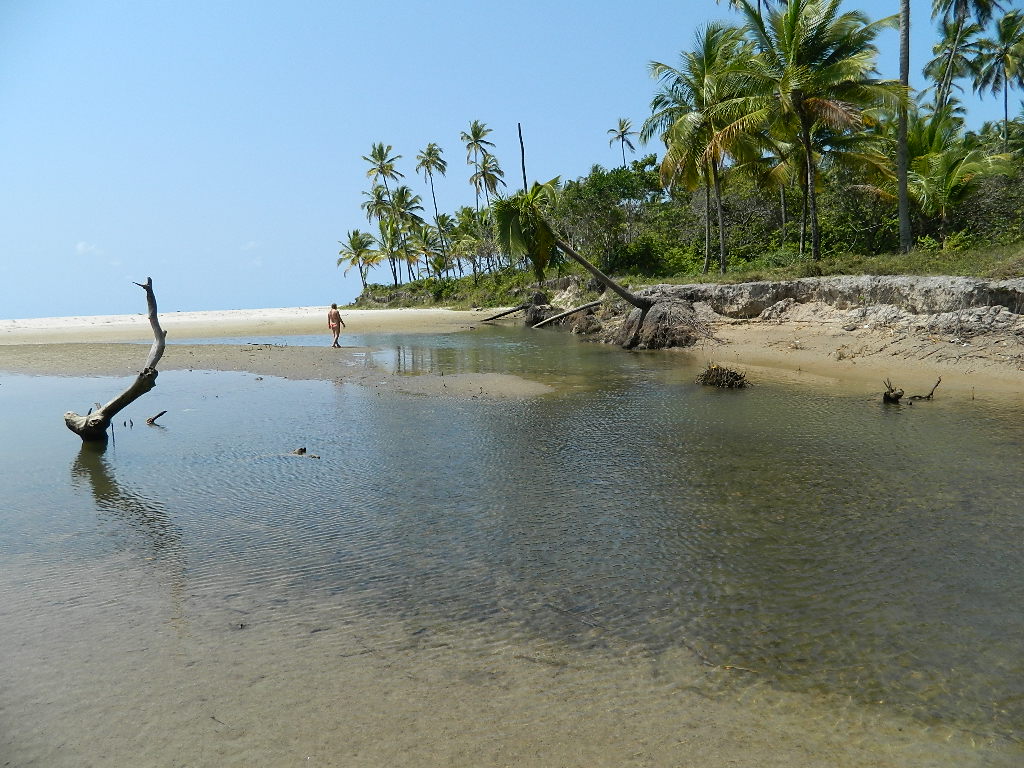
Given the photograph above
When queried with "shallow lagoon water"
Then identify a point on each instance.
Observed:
(783, 539)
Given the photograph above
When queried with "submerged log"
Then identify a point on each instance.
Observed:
(93, 426)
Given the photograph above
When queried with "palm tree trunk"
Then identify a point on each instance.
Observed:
(636, 301)
(707, 228)
(946, 84)
(721, 219)
(782, 212)
(903, 197)
(812, 197)
(803, 216)
(1006, 109)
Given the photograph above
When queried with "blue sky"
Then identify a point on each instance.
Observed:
(216, 146)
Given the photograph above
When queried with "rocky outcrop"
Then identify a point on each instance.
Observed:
(914, 295)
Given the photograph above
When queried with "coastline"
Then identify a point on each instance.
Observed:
(813, 342)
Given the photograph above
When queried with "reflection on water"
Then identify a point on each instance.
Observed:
(822, 543)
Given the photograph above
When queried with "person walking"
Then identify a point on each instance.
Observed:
(335, 323)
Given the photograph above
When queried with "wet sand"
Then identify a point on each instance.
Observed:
(106, 346)
(812, 343)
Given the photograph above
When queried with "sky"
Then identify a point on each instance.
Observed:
(217, 146)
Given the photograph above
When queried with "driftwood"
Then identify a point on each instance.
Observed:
(891, 394)
(569, 312)
(930, 394)
(152, 419)
(720, 376)
(93, 426)
(506, 312)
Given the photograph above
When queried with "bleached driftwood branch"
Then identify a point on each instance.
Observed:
(93, 426)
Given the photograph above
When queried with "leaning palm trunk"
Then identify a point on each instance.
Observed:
(632, 298)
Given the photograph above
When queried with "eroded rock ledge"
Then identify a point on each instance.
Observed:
(915, 295)
(958, 306)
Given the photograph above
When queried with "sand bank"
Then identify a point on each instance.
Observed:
(815, 341)
(232, 322)
(96, 346)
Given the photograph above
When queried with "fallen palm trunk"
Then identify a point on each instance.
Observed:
(93, 426)
(506, 312)
(569, 312)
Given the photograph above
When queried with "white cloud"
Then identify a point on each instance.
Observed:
(252, 245)
(82, 248)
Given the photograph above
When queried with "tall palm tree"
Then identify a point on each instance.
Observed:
(429, 162)
(357, 251)
(621, 133)
(378, 205)
(685, 111)
(488, 176)
(524, 229)
(814, 67)
(477, 144)
(405, 207)
(382, 164)
(951, 58)
(903, 197)
(956, 13)
(1000, 62)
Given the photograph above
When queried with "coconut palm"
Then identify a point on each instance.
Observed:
(488, 176)
(378, 205)
(382, 164)
(477, 144)
(955, 14)
(951, 57)
(405, 207)
(429, 162)
(1000, 62)
(903, 197)
(357, 251)
(524, 229)
(813, 69)
(621, 133)
(684, 111)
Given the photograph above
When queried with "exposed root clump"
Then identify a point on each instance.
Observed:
(720, 376)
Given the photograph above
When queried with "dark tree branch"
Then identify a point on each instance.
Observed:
(93, 426)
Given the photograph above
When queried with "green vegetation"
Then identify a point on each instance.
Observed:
(784, 155)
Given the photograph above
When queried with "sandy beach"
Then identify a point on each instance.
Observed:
(816, 342)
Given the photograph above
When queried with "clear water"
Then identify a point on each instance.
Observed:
(814, 542)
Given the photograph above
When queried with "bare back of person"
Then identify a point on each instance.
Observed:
(335, 323)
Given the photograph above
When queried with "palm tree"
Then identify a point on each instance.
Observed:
(1000, 62)
(684, 111)
(476, 143)
(405, 207)
(357, 251)
(488, 176)
(378, 205)
(524, 229)
(621, 134)
(814, 67)
(903, 198)
(430, 161)
(382, 164)
(955, 14)
(951, 57)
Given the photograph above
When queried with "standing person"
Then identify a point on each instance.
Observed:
(335, 323)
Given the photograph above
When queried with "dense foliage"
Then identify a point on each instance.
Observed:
(781, 156)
